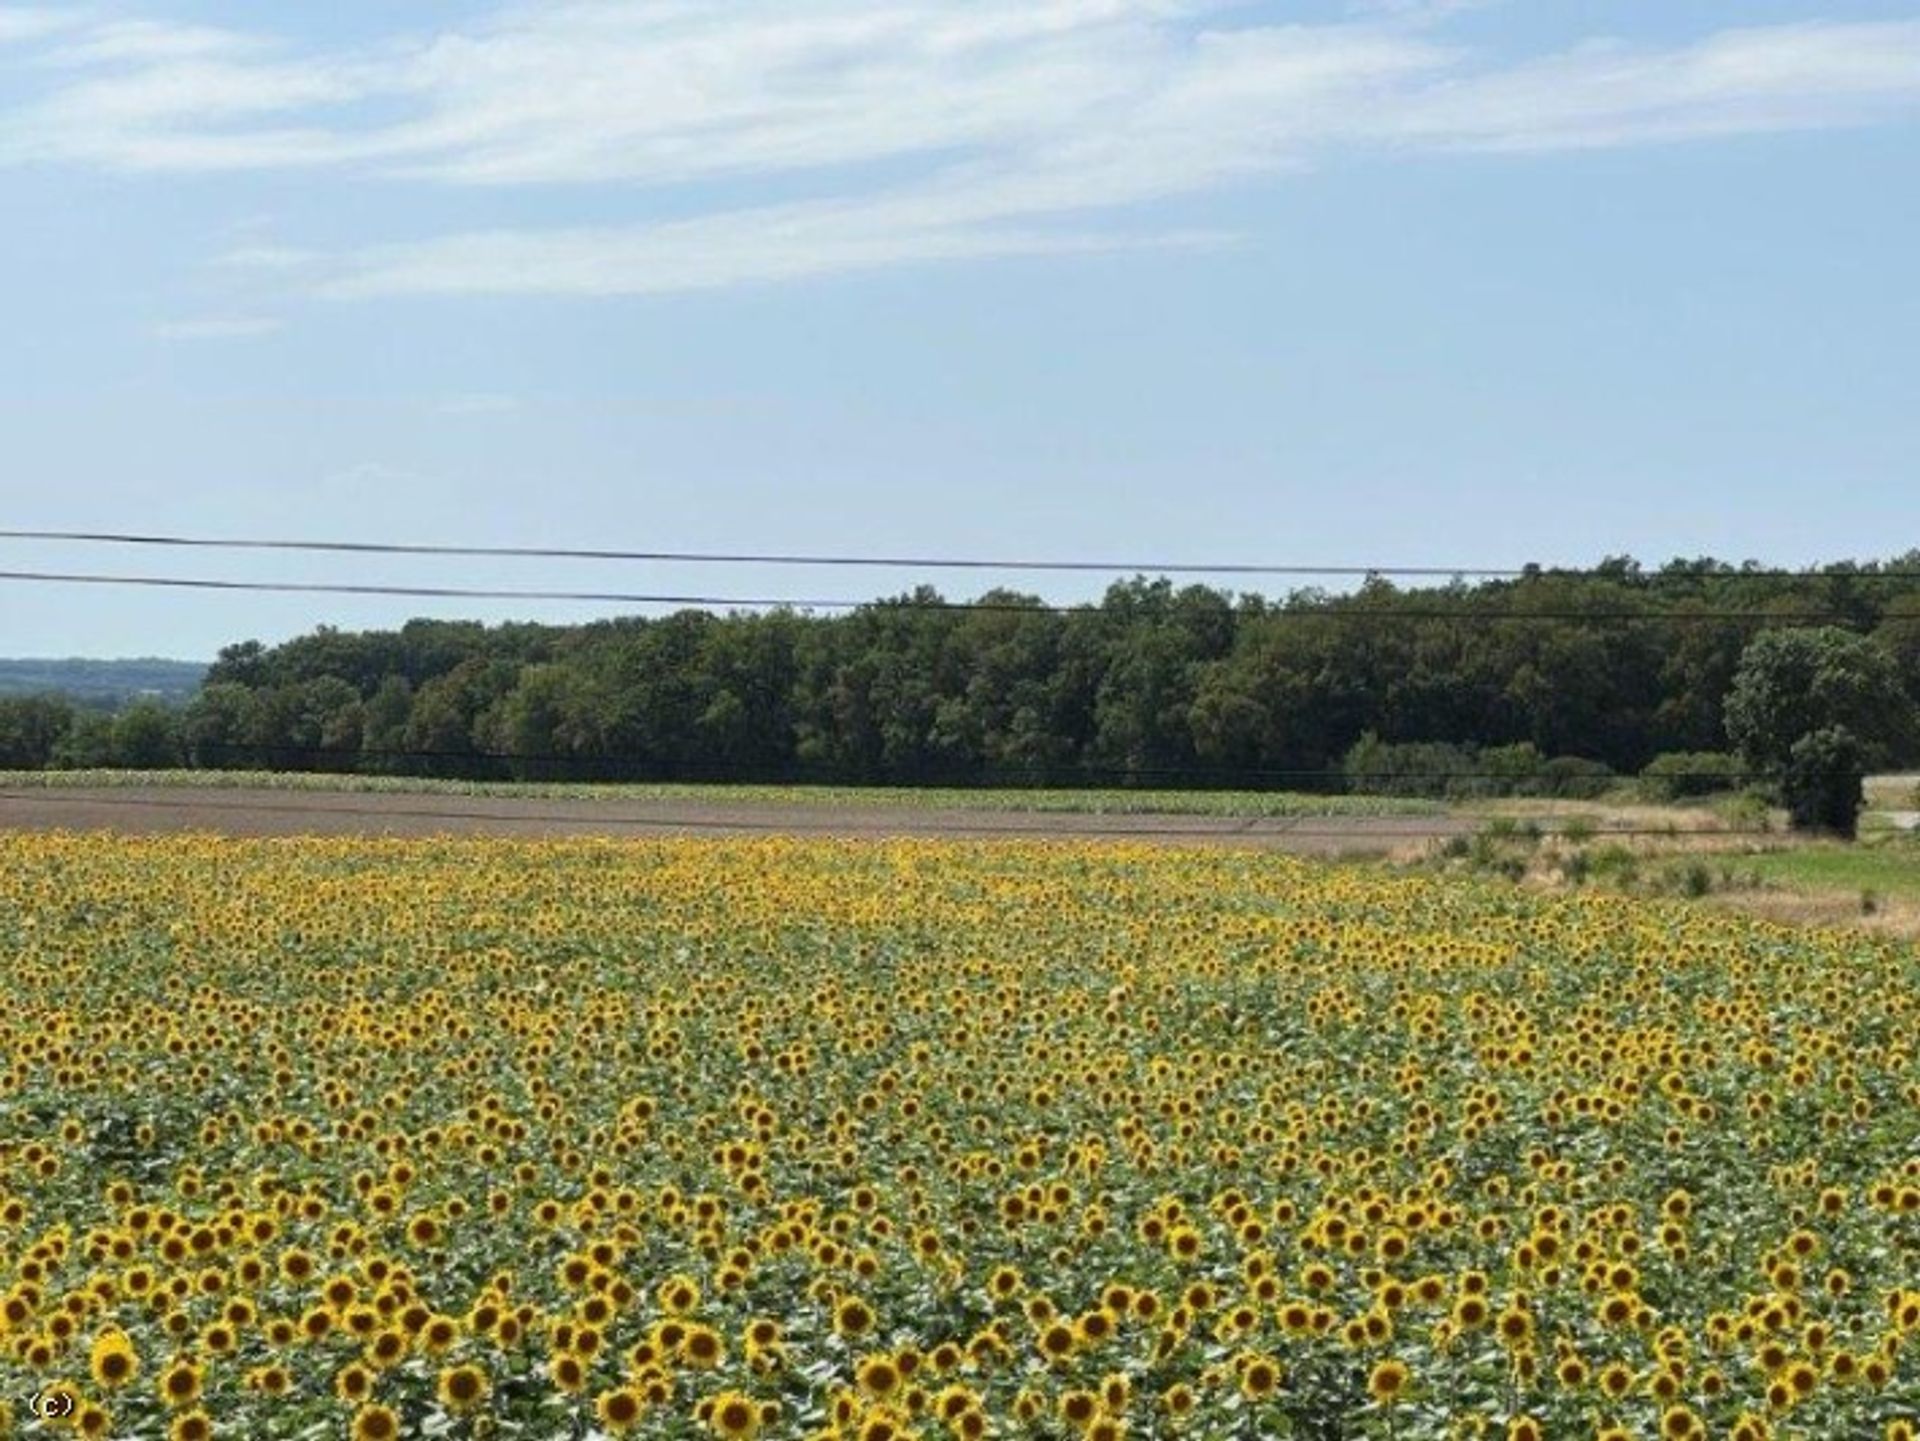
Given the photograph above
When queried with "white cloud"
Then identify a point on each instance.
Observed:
(153, 41)
(909, 132)
(20, 22)
(271, 258)
(1737, 82)
(218, 327)
(747, 247)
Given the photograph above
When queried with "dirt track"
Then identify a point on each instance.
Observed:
(159, 810)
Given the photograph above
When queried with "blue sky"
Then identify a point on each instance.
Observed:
(1383, 283)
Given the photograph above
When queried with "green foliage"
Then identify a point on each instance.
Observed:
(1579, 830)
(1614, 863)
(1792, 683)
(31, 728)
(1434, 768)
(1686, 775)
(1817, 706)
(145, 736)
(1889, 868)
(86, 743)
(1572, 778)
(1822, 782)
(1449, 692)
(1462, 772)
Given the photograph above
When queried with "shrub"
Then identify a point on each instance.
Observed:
(1614, 862)
(1514, 770)
(1822, 782)
(1442, 770)
(1751, 809)
(1579, 830)
(1575, 778)
(1425, 768)
(1679, 775)
(1507, 828)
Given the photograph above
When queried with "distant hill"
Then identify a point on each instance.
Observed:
(103, 682)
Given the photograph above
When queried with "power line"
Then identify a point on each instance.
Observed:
(1345, 612)
(1062, 769)
(918, 562)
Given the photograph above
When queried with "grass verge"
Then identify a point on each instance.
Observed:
(1255, 804)
(1891, 868)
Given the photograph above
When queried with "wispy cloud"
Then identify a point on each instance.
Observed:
(914, 131)
(746, 247)
(275, 259)
(218, 327)
(20, 22)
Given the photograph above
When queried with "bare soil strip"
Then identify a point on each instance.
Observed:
(158, 811)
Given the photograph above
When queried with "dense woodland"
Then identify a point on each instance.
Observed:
(1156, 684)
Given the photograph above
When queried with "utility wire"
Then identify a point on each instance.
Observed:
(1066, 770)
(917, 562)
(1347, 612)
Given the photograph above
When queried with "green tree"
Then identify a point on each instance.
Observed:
(31, 728)
(1794, 682)
(1822, 782)
(88, 743)
(146, 737)
(383, 728)
(1815, 706)
(214, 726)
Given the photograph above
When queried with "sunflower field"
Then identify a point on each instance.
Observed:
(883, 1140)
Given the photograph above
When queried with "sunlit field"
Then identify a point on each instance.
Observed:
(1087, 801)
(821, 1139)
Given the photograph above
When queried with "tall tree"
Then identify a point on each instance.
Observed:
(1816, 706)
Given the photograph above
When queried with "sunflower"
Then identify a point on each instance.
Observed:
(702, 1348)
(679, 1295)
(879, 1376)
(354, 1383)
(375, 1423)
(1058, 1341)
(387, 1348)
(1259, 1379)
(620, 1410)
(438, 1335)
(734, 1416)
(1387, 1380)
(1078, 1408)
(180, 1383)
(461, 1389)
(853, 1318)
(112, 1360)
(1094, 1327)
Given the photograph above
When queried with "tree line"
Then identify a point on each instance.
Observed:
(1597, 672)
